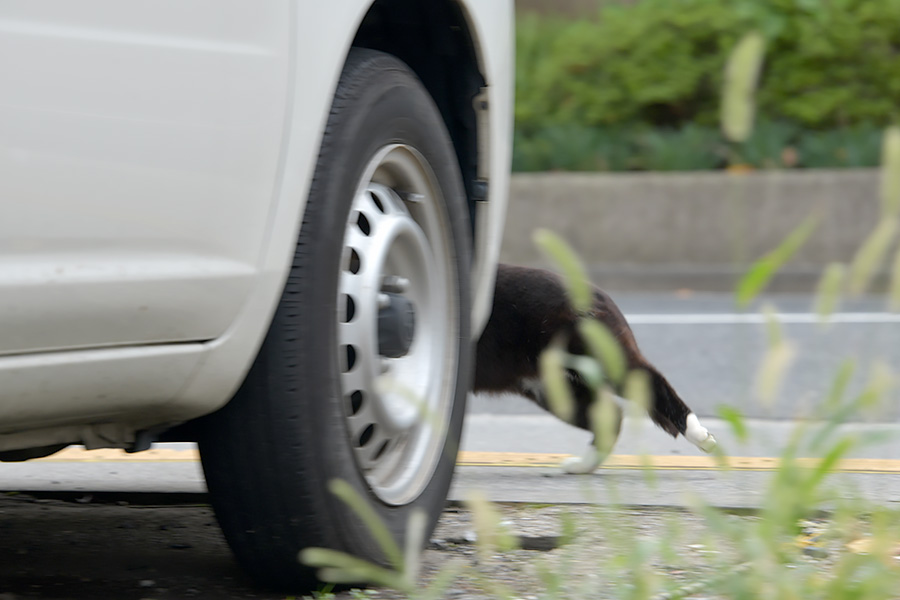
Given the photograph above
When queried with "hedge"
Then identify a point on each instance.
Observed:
(693, 147)
(649, 74)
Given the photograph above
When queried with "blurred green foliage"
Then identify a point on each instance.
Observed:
(693, 147)
(638, 88)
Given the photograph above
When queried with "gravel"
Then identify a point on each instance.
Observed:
(55, 549)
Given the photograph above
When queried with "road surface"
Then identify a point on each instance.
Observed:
(711, 352)
(136, 526)
(708, 351)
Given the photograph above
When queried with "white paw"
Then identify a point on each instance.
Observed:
(698, 435)
(582, 465)
(708, 444)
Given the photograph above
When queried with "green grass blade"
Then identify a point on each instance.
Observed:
(774, 332)
(376, 527)
(586, 366)
(775, 362)
(556, 383)
(603, 346)
(603, 418)
(339, 567)
(828, 292)
(735, 418)
(762, 271)
(881, 381)
(738, 95)
(870, 255)
(890, 172)
(492, 535)
(415, 541)
(772, 372)
(637, 390)
(838, 412)
(894, 295)
(829, 462)
(574, 275)
(838, 389)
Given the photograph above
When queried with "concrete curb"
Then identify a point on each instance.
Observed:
(692, 230)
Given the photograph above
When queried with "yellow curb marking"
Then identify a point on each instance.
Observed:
(519, 459)
(76, 454)
(685, 463)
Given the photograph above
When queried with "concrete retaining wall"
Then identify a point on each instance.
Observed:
(691, 230)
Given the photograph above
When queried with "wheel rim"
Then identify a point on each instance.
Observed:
(397, 250)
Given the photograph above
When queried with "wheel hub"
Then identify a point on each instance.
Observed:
(396, 325)
(396, 329)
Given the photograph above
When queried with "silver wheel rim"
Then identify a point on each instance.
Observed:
(397, 240)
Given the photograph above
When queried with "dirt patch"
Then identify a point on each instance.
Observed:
(66, 550)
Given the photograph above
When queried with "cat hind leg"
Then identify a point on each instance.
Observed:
(601, 446)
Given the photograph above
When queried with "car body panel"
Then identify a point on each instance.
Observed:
(219, 281)
(139, 146)
(492, 26)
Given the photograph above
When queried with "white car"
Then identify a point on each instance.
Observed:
(267, 226)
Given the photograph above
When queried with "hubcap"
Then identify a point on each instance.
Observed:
(397, 324)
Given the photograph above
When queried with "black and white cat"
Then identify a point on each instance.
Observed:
(532, 309)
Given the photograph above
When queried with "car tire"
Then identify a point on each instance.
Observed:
(364, 372)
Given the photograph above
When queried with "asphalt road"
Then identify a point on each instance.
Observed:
(88, 546)
(711, 352)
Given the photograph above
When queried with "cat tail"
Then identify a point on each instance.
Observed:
(667, 409)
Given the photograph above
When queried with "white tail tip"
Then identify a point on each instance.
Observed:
(698, 435)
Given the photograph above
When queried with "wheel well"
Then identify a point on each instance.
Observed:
(433, 38)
